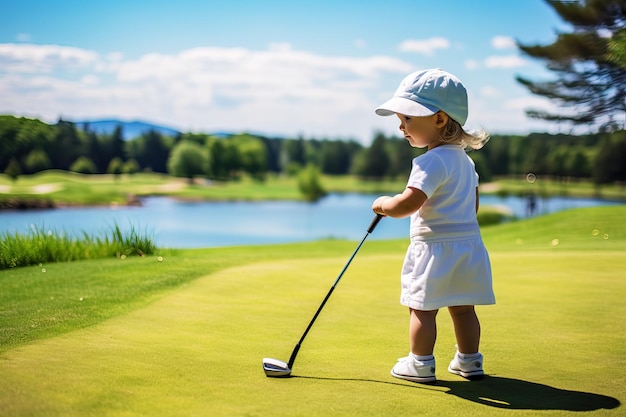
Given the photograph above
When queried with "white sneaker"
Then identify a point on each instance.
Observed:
(467, 368)
(411, 369)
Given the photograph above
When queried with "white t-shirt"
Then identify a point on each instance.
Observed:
(447, 175)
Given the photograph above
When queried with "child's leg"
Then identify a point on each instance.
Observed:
(423, 331)
(466, 328)
(422, 335)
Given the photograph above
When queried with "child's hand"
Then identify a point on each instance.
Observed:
(377, 206)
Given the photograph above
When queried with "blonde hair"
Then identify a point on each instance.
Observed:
(454, 133)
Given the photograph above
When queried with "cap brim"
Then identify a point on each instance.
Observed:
(405, 106)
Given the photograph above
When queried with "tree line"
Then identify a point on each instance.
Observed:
(28, 146)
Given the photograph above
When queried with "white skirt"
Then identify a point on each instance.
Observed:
(446, 272)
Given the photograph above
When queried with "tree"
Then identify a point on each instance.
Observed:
(373, 162)
(155, 151)
(188, 159)
(609, 163)
(115, 166)
(252, 155)
(336, 157)
(400, 155)
(534, 154)
(497, 154)
(310, 184)
(116, 144)
(556, 162)
(9, 129)
(590, 79)
(130, 167)
(274, 147)
(223, 159)
(617, 49)
(20, 136)
(37, 160)
(577, 164)
(294, 150)
(482, 167)
(66, 145)
(94, 151)
(84, 165)
(13, 169)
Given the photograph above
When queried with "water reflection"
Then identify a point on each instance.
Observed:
(202, 224)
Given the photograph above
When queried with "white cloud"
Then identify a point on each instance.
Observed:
(472, 64)
(501, 113)
(503, 42)
(280, 46)
(526, 102)
(90, 80)
(43, 58)
(489, 91)
(425, 46)
(496, 61)
(505, 61)
(279, 90)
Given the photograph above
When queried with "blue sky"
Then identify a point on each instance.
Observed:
(287, 68)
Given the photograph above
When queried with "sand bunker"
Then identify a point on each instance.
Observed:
(45, 188)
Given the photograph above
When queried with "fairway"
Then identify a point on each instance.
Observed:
(554, 344)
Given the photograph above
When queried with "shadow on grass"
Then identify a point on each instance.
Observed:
(509, 393)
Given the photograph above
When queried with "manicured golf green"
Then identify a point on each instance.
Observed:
(190, 340)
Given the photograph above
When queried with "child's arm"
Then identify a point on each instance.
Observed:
(400, 205)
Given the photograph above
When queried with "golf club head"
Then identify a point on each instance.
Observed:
(275, 368)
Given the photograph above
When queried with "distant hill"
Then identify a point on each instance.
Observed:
(130, 130)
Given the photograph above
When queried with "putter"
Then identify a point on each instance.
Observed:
(278, 369)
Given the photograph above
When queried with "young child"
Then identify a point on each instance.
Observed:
(446, 264)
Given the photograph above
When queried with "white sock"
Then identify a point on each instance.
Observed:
(422, 358)
(468, 356)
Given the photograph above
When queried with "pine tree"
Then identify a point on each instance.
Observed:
(590, 84)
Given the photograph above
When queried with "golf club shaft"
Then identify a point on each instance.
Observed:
(370, 229)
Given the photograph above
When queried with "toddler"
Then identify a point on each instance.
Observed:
(446, 264)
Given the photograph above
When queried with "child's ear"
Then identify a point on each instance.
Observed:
(442, 119)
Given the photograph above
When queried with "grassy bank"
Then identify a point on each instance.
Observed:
(41, 246)
(66, 188)
(184, 334)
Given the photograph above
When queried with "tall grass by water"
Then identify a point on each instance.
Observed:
(39, 246)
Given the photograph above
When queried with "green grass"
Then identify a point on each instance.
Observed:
(68, 188)
(79, 189)
(186, 335)
(43, 301)
(40, 246)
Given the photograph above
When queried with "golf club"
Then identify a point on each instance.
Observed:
(276, 368)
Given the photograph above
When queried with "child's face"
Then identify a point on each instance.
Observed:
(421, 132)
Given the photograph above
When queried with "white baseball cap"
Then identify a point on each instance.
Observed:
(424, 93)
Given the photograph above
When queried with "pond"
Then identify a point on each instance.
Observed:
(180, 224)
